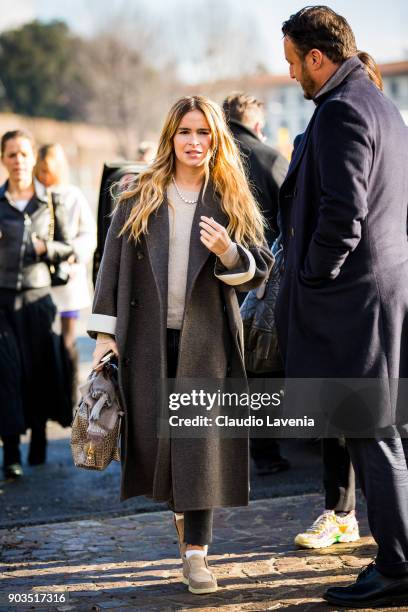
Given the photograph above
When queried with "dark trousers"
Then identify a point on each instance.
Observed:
(338, 476)
(381, 469)
(264, 449)
(198, 527)
(38, 442)
(11, 449)
(197, 523)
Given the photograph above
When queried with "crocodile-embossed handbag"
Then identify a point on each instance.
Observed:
(97, 423)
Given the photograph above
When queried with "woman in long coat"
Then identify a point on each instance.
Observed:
(165, 303)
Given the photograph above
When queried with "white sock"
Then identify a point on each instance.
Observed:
(201, 553)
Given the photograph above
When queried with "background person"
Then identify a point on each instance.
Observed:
(53, 172)
(266, 169)
(182, 240)
(146, 151)
(31, 384)
(346, 253)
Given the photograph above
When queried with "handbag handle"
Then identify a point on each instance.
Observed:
(51, 228)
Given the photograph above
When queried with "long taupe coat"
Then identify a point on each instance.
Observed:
(131, 302)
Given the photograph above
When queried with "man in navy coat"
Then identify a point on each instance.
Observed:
(342, 310)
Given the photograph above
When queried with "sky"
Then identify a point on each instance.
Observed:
(381, 28)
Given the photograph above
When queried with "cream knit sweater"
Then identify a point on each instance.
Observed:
(180, 224)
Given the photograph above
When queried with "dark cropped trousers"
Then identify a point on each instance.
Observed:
(338, 475)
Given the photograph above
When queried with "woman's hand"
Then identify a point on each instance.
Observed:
(214, 236)
(40, 247)
(104, 344)
(73, 268)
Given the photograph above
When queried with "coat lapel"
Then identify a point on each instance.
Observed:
(157, 242)
(208, 205)
(300, 149)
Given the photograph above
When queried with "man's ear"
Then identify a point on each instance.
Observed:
(258, 130)
(315, 59)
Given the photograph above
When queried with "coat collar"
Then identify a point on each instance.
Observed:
(208, 205)
(40, 196)
(348, 67)
(338, 77)
(40, 191)
(237, 127)
(157, 242)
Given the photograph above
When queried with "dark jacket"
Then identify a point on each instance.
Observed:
(342, 310)
(20, 267)
(266, 170)
(131, 302)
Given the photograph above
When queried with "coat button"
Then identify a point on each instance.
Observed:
(134, 302)
(292, 231)
(139, 254)
(126, 361)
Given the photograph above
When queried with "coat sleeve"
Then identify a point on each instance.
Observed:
(344, 157)
(252, 269)
(104, 308)
(60, 247)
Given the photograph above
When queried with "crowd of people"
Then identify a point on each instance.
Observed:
(192, 234)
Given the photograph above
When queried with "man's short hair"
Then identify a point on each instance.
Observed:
(319, 27)
(242, 107)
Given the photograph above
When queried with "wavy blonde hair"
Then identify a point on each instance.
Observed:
(223, 167)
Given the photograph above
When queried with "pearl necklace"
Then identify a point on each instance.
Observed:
(181, 196)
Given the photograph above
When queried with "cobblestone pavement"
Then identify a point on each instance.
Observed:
(131, 563)
(58, 491)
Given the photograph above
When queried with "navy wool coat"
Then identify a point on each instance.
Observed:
(131, 303)
(342, 309)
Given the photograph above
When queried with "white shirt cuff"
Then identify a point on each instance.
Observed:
(101, 323)
(239, 278)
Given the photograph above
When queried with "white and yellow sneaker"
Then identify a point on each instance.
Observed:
(329, 528)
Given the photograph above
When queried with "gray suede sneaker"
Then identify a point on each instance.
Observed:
(197, 576)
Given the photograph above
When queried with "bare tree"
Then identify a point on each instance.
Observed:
(128, 94)
(129, 90)
(214, 40)
(134, 61)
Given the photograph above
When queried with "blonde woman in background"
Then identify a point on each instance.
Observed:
(53, 172)
(183, 238)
